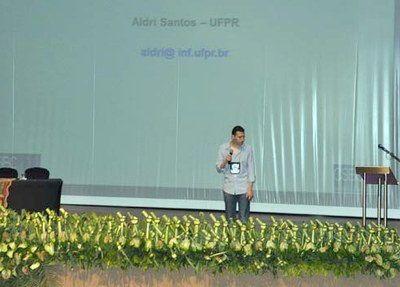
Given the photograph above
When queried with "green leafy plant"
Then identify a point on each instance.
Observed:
(31, 242)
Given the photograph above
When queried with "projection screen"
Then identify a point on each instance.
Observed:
(128, 101)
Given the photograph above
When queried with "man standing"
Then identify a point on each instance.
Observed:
(236, 161)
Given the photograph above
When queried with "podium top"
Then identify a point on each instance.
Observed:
(374, 173)
(373, 169)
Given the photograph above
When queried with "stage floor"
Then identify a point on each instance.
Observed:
(298, 219)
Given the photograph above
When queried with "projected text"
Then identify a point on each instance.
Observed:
(172, 53)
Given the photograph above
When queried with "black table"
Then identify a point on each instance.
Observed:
(35, 195)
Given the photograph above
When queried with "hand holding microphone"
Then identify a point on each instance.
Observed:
(227, 160)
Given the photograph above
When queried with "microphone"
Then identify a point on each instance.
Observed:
(388, 152)
(380, 146)
(231, 153)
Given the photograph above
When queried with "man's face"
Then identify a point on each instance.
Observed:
(238, 138)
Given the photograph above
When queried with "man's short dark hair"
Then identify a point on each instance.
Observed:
(237, 129)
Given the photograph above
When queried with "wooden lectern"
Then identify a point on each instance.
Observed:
(382, 176)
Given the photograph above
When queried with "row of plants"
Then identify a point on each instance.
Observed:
(32, 241)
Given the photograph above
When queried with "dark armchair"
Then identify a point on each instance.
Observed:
(37, 173)
(8, 172)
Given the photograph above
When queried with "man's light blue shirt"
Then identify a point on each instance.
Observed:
(237, 183)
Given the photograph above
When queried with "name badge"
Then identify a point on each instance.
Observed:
(235, 167)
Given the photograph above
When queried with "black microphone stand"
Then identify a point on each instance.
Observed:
(391, 154)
